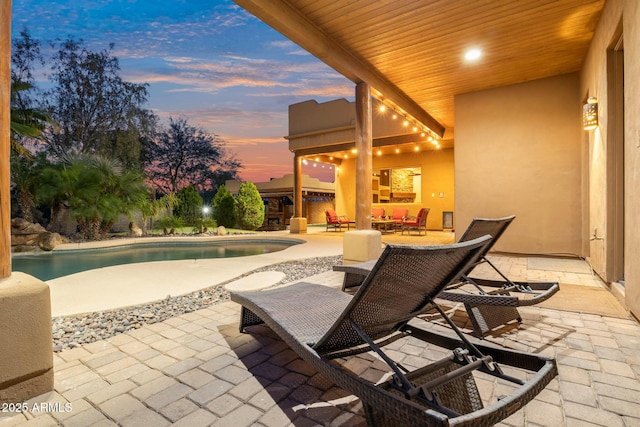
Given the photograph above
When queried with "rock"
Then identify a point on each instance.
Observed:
(22, 226)
(25, 233)
(47, 241)
(134, 230)
(222, 231)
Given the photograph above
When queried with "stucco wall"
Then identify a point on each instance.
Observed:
(632, 154)
(517, 151)
(595, 82)
(315, 214)
(437, 177)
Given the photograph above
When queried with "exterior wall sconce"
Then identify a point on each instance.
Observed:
(590, 114)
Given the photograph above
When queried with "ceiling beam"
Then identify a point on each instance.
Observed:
(289, 21)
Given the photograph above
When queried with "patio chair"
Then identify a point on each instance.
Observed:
(335, 221)
(322, 324)
(418, 223)
(398, 215)
(377, 213)
(489, 303)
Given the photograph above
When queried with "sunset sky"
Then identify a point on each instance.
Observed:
(208, 61)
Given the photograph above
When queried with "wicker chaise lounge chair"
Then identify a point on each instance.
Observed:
(321, 323)
(489, 303)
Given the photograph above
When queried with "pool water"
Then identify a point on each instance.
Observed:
(49, 265)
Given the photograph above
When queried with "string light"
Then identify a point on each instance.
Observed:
(408, 120)
(354, 151)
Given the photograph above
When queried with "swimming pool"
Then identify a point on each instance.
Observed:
(50, 265)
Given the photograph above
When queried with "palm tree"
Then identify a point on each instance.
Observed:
(152, 207)
(95, 190)
(25, 122)
(24, 180)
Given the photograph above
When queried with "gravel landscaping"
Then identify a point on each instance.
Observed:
(73, 331)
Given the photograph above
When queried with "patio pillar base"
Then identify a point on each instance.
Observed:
(26, 349)
(298, 225)
(361, 245)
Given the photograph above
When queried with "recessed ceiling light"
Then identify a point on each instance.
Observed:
(472, 54)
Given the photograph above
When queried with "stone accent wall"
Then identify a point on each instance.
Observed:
(401, 181)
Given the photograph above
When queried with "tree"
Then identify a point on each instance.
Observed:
(95, 189)
(96, 111)
(152, 207)
(189, 206)
(27, 123)
(249, 206)
(27, 120)
(24, 180)
(224, 207)
(183, 155)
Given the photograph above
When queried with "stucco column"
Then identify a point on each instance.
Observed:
(297, 186)
(362, 244)
(298, 223)
(5, 114)
(364, 138)
(26, 353)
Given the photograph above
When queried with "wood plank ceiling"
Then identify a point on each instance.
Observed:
(412, 51)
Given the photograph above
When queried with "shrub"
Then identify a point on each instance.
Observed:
(168, 224)
(249, 206)
(189, 206)
(203, 225)
(224, 208)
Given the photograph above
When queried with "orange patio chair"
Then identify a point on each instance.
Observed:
(335, 221)
(418, 223)
(398, 215)
(377, 213)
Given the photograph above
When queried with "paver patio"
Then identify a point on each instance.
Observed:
(198, 370)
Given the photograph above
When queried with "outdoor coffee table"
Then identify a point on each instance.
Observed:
(384, 225)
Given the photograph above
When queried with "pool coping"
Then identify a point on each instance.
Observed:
(139, 283)
(132, 241)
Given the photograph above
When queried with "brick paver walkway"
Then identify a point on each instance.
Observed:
(198, 370)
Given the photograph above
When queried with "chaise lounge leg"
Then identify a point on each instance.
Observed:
(248, 318)
(485, 318)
